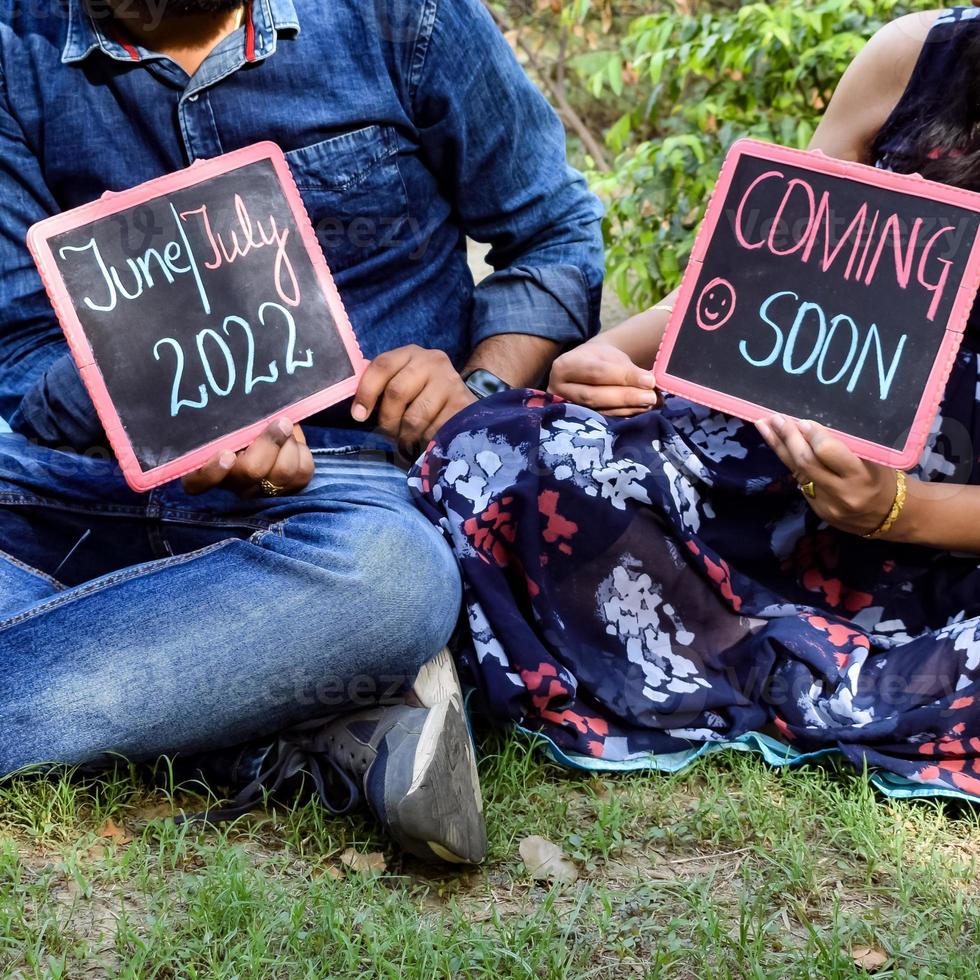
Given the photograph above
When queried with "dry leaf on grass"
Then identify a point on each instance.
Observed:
(371, 862)
(544, 859)
(154, 811)
(869, 959)
(112, 831)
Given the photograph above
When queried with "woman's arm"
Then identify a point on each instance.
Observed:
(945, 516)
(871, 87)
(640, 335)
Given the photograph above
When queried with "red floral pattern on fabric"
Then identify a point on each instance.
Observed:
(842, 636)
(493, 530)
(720, 574)
(817, 562)
(544, 687)
(557, 527)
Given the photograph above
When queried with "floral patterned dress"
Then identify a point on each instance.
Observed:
(639, 589)
(642, 590)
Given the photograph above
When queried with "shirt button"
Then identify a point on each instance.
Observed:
(192, 98)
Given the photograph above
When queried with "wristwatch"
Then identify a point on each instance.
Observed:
(483, 384)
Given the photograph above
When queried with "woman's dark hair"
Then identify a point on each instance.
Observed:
(945, 139)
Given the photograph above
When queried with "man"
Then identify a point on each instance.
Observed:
(294, 581)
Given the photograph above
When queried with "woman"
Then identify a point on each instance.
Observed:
(645, 578)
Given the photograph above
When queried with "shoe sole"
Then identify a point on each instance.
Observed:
(440, 812)
(437, 681)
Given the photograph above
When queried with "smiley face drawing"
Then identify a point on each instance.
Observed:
(715, 305)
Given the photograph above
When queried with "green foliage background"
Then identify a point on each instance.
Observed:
(669, 86)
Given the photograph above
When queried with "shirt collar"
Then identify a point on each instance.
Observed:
(90, 28)
(269, 19)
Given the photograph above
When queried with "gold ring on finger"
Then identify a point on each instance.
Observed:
(808, 489)
(270, 489)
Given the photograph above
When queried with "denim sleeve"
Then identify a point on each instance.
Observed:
(41, 393)
(499, 148)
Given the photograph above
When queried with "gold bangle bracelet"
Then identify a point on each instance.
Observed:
(897, 504)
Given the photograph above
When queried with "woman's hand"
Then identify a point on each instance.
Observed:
(849, 493)
(603, 377)
(278, 463)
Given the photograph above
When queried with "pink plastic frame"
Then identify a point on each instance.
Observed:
(38, 240)
(815, 160)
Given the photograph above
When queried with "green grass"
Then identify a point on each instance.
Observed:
(730, 869)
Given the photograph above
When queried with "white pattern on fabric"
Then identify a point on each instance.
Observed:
(711, 432)
(629, 607)
(479, 465)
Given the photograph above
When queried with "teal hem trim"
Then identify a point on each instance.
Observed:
(774, 752)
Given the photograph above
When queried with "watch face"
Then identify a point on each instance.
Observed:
(483, 384)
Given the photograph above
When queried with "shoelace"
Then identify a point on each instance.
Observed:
(291, 756)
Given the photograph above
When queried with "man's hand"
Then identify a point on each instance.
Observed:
(849, 493)
(603, 377)
(418, 390)
(280, 455)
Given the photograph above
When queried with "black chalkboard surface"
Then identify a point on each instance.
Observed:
(825, 290)
(199, 308)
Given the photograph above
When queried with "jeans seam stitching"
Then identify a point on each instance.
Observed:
(137, 513)
(20, 500)
(114, 579)
(30, 569)
(189, 517)
(278, 528)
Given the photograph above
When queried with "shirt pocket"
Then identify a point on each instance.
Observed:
(355, 195)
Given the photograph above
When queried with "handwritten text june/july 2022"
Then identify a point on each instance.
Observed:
(114, 285)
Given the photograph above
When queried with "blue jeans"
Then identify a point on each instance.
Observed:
(143, 624)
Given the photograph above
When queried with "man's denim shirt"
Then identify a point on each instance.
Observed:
(408, 125)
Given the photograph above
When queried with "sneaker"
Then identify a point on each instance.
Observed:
(417, 764)
(414, 763)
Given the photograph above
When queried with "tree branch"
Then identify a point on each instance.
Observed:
(556, 89)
